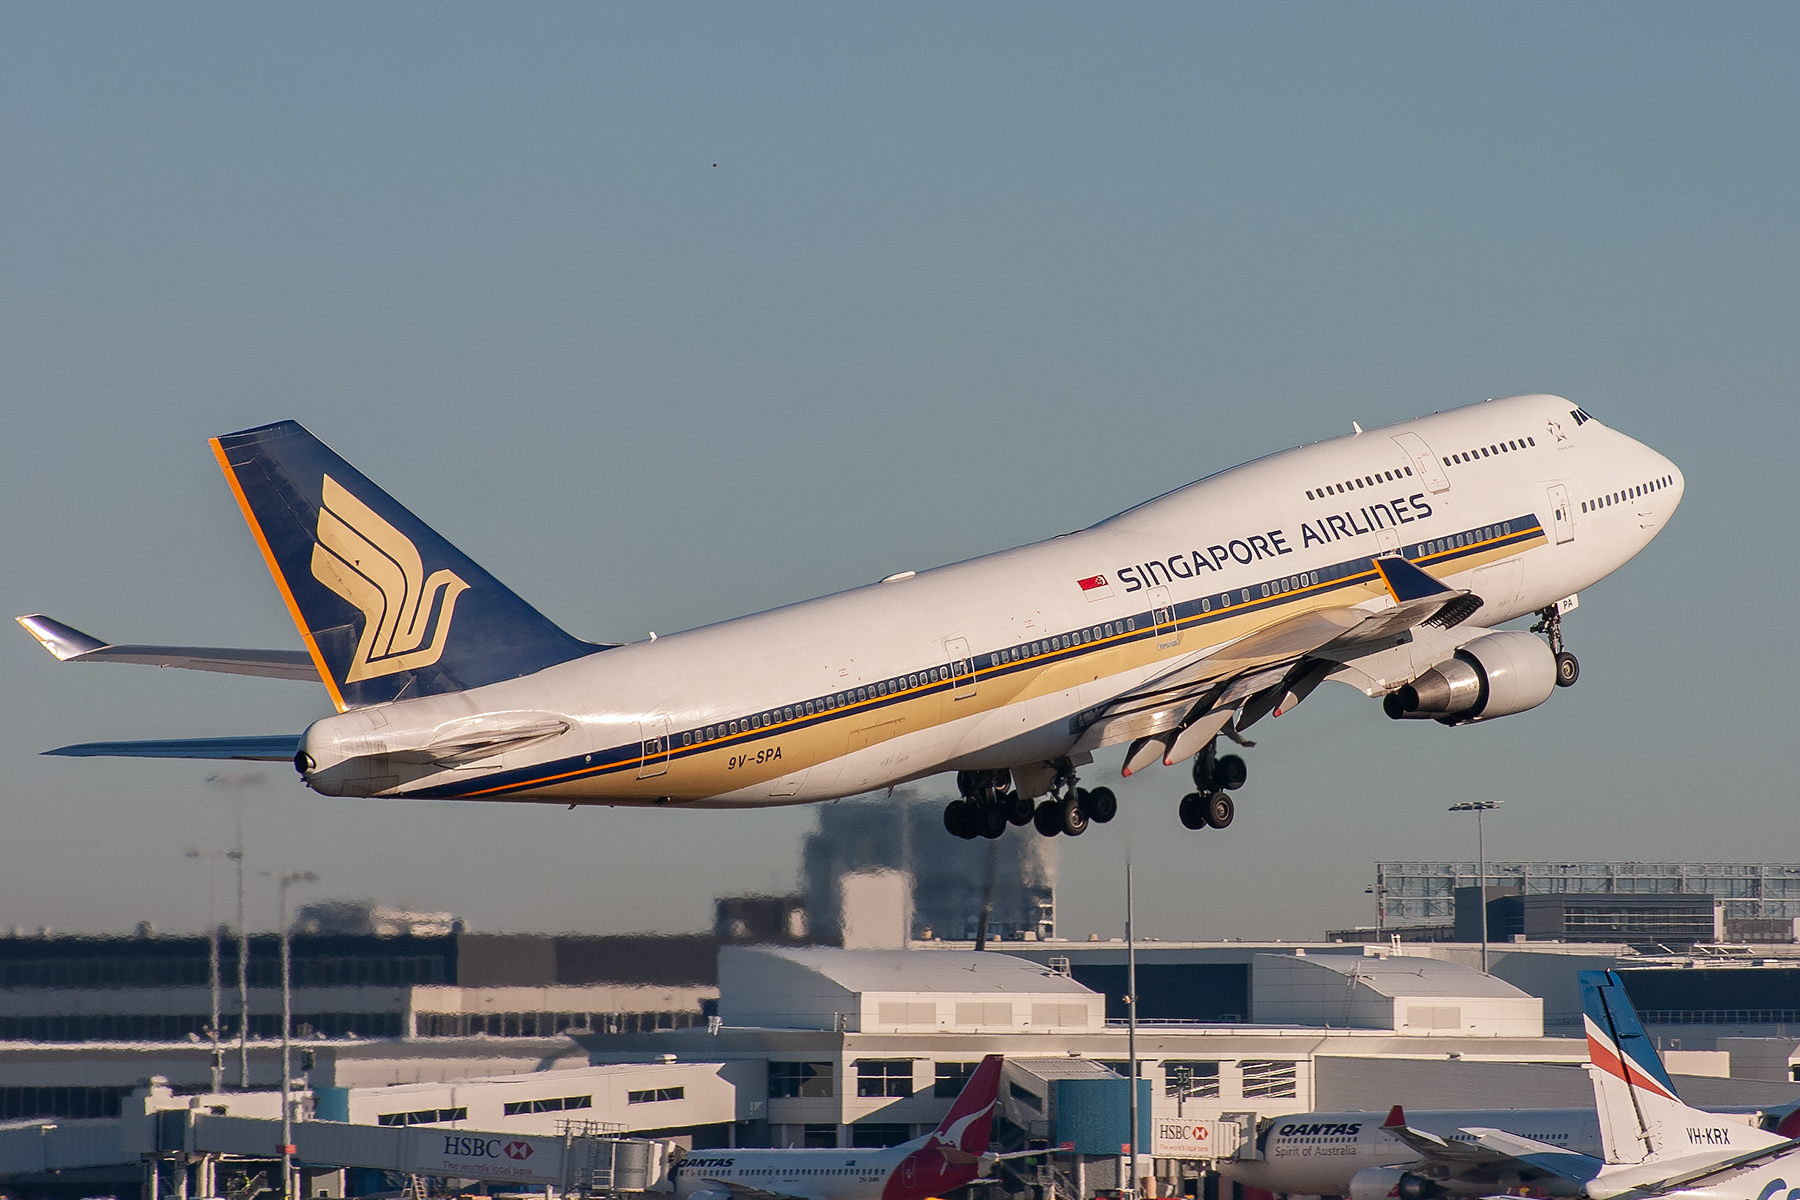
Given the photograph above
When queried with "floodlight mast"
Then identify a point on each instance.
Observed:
(1478, 807)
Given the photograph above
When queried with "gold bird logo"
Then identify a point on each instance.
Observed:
(377, 568)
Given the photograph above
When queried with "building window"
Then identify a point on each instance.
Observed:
(871, 1135)
(818, 1137)
(951, 1076)
(555, 1104)
(1264, 1078)
(884, 1077)
(789, 1080)
(427, 1116)
(653, 1095)
(1191, 1080)
(1123, 1067)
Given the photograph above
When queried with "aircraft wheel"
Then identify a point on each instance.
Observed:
(1192, 811)
(1074, 821)
(1019, 810)
(1048, 818)
(1100, 805)
(1219, 810)
(990, 820)
(958, 820)
(1567, 670)
(1229, 773)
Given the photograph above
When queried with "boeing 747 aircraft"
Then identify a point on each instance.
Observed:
(1382, 559)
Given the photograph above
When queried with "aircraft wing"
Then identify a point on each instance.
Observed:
(1668, 1175)
(1260, 672)
(280, 747)
(1542, 1156)
(71, 645)
(738, 1191)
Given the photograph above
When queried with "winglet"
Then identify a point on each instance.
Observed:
(1396, 1118)
(61, 640)
(1406, 581)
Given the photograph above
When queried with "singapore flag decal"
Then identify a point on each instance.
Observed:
(1095, 587)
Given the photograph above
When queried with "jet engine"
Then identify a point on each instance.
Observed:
(1492, 676)
(1392, 1183)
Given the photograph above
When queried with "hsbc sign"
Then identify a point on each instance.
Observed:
(491, 1156)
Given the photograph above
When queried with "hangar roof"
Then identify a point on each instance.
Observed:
(915, 971)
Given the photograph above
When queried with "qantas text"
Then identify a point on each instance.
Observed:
(1247, 549)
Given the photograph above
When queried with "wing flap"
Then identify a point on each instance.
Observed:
(279, 747)
(69, 644)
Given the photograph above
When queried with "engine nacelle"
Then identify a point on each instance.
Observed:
(1392, 1183)
(1493, 676)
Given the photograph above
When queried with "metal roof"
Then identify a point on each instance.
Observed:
(1397, 976)
(923, 971)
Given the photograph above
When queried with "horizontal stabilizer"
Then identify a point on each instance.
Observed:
(279, 747)
(71, 645)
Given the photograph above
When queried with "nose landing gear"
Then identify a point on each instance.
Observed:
(1568, 670)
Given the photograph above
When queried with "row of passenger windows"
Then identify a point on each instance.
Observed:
(1493, 451)
(1456, 541)
(1630, 493)
(825, 704)
(1366, 481)
(1067, 641)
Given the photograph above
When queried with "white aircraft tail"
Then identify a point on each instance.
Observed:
(1642, 1120)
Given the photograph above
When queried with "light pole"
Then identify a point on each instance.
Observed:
(1131, 1017)
(287, 879)
(212, 929)
(1479, 807)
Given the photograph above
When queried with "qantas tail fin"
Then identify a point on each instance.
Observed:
(1642, 1120)
(969, 1125)
(388, 609)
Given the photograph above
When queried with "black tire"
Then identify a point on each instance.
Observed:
(1100, 805)
(1074, 821)
(990, 820)
(1192, 811)
(959, 820)
(1229, 773)
(1048, 818)
(1219, 810)
(968, 784)
(1019, 810)
(1568, 670)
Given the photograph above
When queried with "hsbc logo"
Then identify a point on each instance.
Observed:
(458, 1146)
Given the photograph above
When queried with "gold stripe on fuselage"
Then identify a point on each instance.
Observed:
(737, 761)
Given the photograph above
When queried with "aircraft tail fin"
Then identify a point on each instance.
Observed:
(1642, 1119)
(388, 609)
(968, 1125)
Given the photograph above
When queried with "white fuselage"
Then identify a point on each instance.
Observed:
(989, 663)
(815, 1174)
(1317, 1153)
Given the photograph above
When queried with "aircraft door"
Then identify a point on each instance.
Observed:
(1562, 518)
(1430, 468)
(1162, 613)
(962, 668)
(655, 734)
(1387, 540)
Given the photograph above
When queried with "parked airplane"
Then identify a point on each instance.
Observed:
(948, 1157)
(1355, 1154)
(1649, 1142)
(1381, 559)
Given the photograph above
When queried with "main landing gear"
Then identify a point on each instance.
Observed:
(1568, 670)
(1210, 806)
(990, 803)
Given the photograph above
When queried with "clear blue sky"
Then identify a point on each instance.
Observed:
(667, 313)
